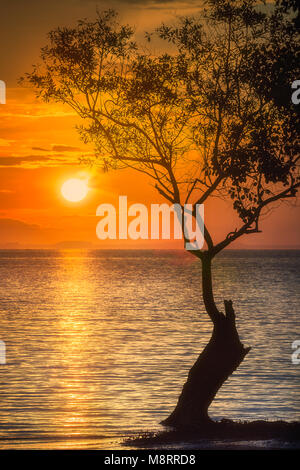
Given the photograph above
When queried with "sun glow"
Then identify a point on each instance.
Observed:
(74, 189)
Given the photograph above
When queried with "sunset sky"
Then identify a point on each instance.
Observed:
(40, 149)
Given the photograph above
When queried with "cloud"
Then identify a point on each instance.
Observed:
(15, 161)
(6, 143)
(65, 148)
(37, 160)
(57, 148)
(12, 231)
(39, 149)
(145, 3)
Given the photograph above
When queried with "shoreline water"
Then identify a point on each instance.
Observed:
(93, 340)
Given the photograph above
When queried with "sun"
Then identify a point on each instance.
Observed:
(74, 190)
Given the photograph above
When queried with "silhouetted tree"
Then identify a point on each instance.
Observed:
(200, 121)
(292, 7)
(276, 61)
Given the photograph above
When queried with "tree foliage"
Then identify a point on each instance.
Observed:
(208, 119)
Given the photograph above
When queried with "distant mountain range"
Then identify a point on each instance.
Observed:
(65, 245)
(82, 245)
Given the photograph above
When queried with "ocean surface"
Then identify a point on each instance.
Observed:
(99, 343)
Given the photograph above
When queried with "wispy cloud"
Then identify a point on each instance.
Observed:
(39, 160)
(65, 148)
(6, 143)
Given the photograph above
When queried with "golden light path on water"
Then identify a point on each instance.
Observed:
(99, 343)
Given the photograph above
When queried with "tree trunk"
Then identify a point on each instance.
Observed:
(220, 358)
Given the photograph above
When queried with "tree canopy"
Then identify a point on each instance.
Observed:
(204, 117)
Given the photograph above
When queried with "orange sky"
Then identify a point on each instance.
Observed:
(40, 149)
